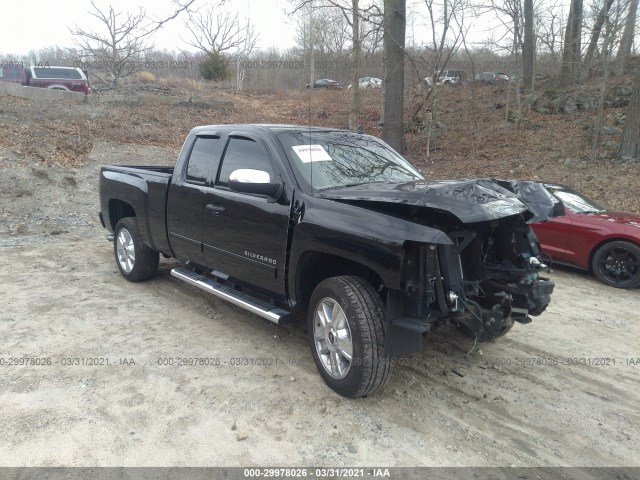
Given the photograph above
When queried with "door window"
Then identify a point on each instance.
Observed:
(243, 153)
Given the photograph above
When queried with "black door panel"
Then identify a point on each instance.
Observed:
(245, 236)
(186, 202)
(247, 240)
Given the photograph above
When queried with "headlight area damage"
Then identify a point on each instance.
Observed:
(486, 278)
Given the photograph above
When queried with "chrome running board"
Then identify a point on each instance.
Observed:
(274, 314)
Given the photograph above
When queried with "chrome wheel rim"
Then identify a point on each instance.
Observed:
(332, 338)
(125, 251)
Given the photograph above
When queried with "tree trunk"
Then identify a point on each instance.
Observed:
(603, 89)
(572, 44)
(593, 42)
(394, 38)
(630, 146)
(528, 47)
(354, 111)
(312, 47)
(622, 58)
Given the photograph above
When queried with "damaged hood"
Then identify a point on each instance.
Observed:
(539, 201)
(470, 200)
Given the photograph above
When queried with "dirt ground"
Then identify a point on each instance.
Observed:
(106, 399)
(103, 386)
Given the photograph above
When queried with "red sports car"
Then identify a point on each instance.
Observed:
(592, 238)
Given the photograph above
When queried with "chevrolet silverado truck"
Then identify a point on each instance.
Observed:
(293, 221)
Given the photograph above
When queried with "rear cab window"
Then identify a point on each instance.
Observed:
(54, 72)
(203, 159)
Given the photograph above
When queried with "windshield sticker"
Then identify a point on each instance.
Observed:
(311, 153)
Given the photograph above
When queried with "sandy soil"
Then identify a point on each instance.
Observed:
(517, 401)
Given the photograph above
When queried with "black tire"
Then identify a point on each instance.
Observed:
(617, 264)
(135, 260)
(369, 367)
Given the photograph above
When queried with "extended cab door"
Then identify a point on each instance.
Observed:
(245, 235)
(186, 200)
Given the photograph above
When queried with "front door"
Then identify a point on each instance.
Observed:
(245, 235)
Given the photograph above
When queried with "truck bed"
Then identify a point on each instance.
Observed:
(145, 189)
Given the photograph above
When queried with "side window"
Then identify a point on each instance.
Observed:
(243, 153)
(201, 160)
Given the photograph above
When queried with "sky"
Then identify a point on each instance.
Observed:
(35, 24)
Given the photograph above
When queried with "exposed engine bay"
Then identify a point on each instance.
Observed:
(488, 277)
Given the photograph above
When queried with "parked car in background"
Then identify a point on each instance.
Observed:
(501, 77)
(487, 77)
(14, 72)
(71, 79)
(368, 82)
(590, 237)
(448, 77)
(326, 83)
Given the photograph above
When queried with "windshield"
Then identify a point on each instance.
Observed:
(324, 160)
(576, 202)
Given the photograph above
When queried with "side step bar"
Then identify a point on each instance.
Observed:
(276, 315)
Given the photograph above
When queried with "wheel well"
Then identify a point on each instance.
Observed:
(604, 242)
(118, 210)
(314, 267)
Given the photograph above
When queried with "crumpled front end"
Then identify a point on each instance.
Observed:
(488, 278)
(493, 277)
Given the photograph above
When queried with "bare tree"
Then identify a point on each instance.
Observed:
(549, 29)
(630, 146)
(123, 38)
(330, 34)
(595, 37)
(624, 51)
(528, 46)
(119, 48)
(244, 50)
(572, 44)
(394, 41)
(305, 36)
(508, 13)
(597, 124)
(213, 31)
(446, 20)
(354, 109)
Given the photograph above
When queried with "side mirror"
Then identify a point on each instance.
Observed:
(248, 180)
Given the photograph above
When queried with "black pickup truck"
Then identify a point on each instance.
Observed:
(289, 221)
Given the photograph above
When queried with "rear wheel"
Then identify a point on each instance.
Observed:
(135, 260)
(346, 328)
(617, 264)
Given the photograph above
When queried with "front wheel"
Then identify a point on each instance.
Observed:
(346, 328)
(135, 260)
(617, 264)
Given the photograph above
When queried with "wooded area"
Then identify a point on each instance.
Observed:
(528, 41)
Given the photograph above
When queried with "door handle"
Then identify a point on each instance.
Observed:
(216, 208)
